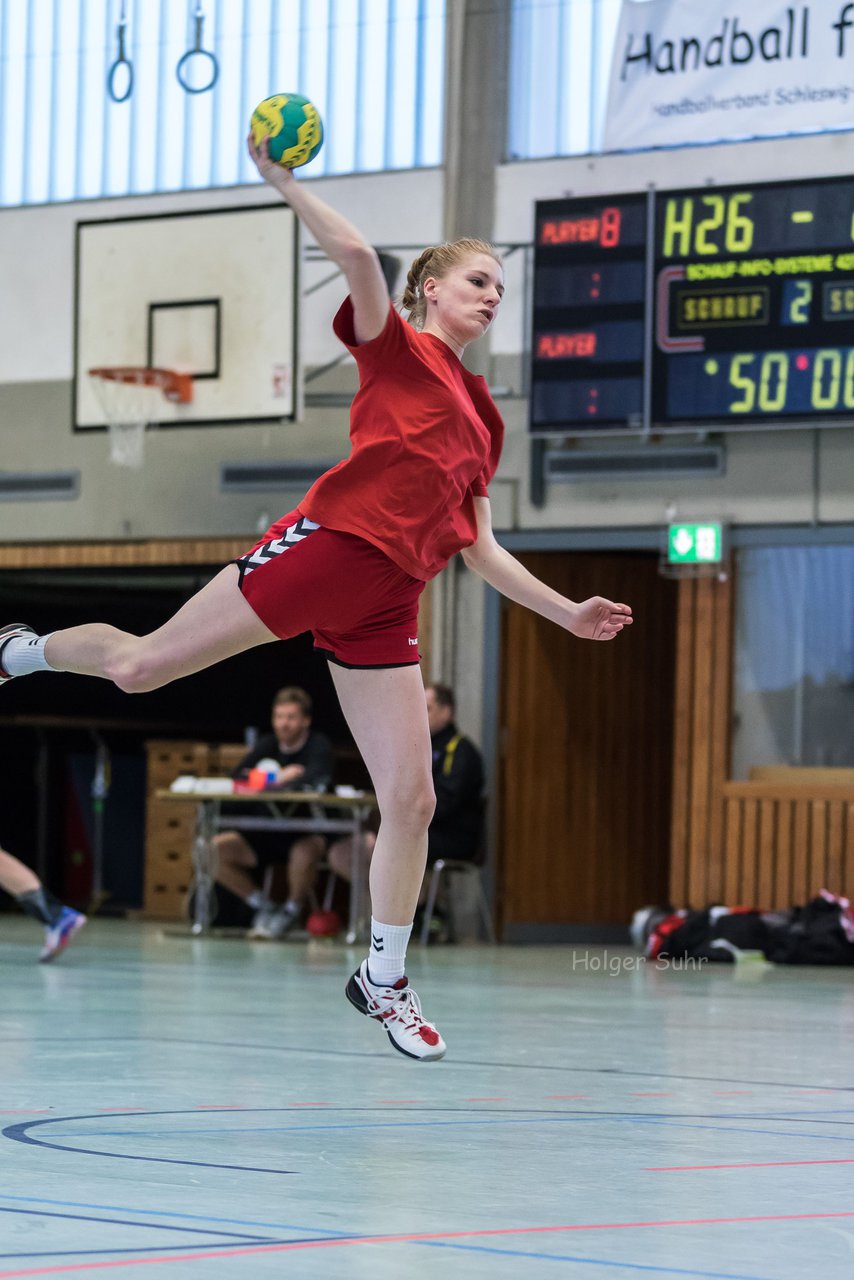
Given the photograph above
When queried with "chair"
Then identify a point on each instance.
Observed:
(472, 871)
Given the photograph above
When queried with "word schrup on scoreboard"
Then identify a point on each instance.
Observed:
(748, 286)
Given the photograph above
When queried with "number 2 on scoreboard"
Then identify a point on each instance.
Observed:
(797, 298)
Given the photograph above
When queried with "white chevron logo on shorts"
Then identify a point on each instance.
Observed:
(262, 555)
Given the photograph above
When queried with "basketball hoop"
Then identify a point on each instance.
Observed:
(128, 397)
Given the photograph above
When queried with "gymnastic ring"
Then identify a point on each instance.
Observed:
(201, 53)
(111, 77)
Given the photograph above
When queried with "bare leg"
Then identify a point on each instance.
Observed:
(302, 866)
(340, 855)
(215, 624)
(15, 878)
(387, 715)
(235, 858)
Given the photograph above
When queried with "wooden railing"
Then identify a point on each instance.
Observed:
(772, 842)
(782, 842)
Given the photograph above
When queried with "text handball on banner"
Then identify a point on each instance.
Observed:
(733, 44)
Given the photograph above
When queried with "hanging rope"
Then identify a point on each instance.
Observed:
(183, 67)
(122, 62)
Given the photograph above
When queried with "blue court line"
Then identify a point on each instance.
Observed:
(147, 1249)
(146, 1226)
(592, 1262)
(733, 1128)
(673, 1119)
(169, 1213)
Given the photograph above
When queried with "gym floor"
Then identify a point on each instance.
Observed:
(214, 1108)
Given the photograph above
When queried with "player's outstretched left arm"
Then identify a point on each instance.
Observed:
(593, 619)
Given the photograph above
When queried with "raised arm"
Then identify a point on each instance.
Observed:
(593, 619)
(338, 239)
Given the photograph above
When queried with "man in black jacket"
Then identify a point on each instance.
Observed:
(300, 759)
(456, 829)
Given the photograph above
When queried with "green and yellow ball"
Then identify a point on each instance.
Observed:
(293, 126)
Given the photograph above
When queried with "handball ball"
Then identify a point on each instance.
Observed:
(293, 126)
(323, 924)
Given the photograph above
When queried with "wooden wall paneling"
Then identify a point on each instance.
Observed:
(721, 719)
(701, 756)
(767, 851)
(782, 894)
(701, 828)
(151, 553)
(834, 871)
(801, 859)
(733, 843)
(818, 846)
(750, 831)
(586, 757)
(680, 830)
(848, 853)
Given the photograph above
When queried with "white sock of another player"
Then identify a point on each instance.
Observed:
(22, 655)
(387, 956)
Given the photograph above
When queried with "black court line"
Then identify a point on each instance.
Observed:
(447, 1063)
(18, 1133)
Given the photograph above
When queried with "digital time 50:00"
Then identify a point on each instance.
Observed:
(818, 380)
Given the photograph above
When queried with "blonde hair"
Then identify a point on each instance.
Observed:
(437, 261)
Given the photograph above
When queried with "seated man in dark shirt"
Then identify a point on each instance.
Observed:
(305, 762)
(456, 829)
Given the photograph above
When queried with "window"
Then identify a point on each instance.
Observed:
(374, 68)
(560, 64)
(794, 657)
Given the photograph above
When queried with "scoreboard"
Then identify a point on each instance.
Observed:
(717, 308)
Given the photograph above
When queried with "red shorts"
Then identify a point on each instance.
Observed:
(361, 608)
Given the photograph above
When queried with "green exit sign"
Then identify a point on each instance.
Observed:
(695, 543)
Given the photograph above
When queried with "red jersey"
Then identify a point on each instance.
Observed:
(426, 438)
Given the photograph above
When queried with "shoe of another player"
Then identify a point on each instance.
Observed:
(57, 936)
(283, 920)
(11, 632)
(399, 1010)
(259, 930)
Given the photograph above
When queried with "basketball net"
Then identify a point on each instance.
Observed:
(129, 398)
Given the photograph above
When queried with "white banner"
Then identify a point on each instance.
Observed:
(686, 72)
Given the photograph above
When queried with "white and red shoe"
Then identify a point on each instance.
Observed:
(399, 1010)
(14, 630)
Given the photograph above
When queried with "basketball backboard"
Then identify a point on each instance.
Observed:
(212, 294)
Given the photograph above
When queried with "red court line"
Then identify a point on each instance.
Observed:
(758, 1164)
(559, 1097)
(486, 1099)
(415, 1238)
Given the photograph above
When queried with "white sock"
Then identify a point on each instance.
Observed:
(22, 655)
(387, 956)
(256, 900)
